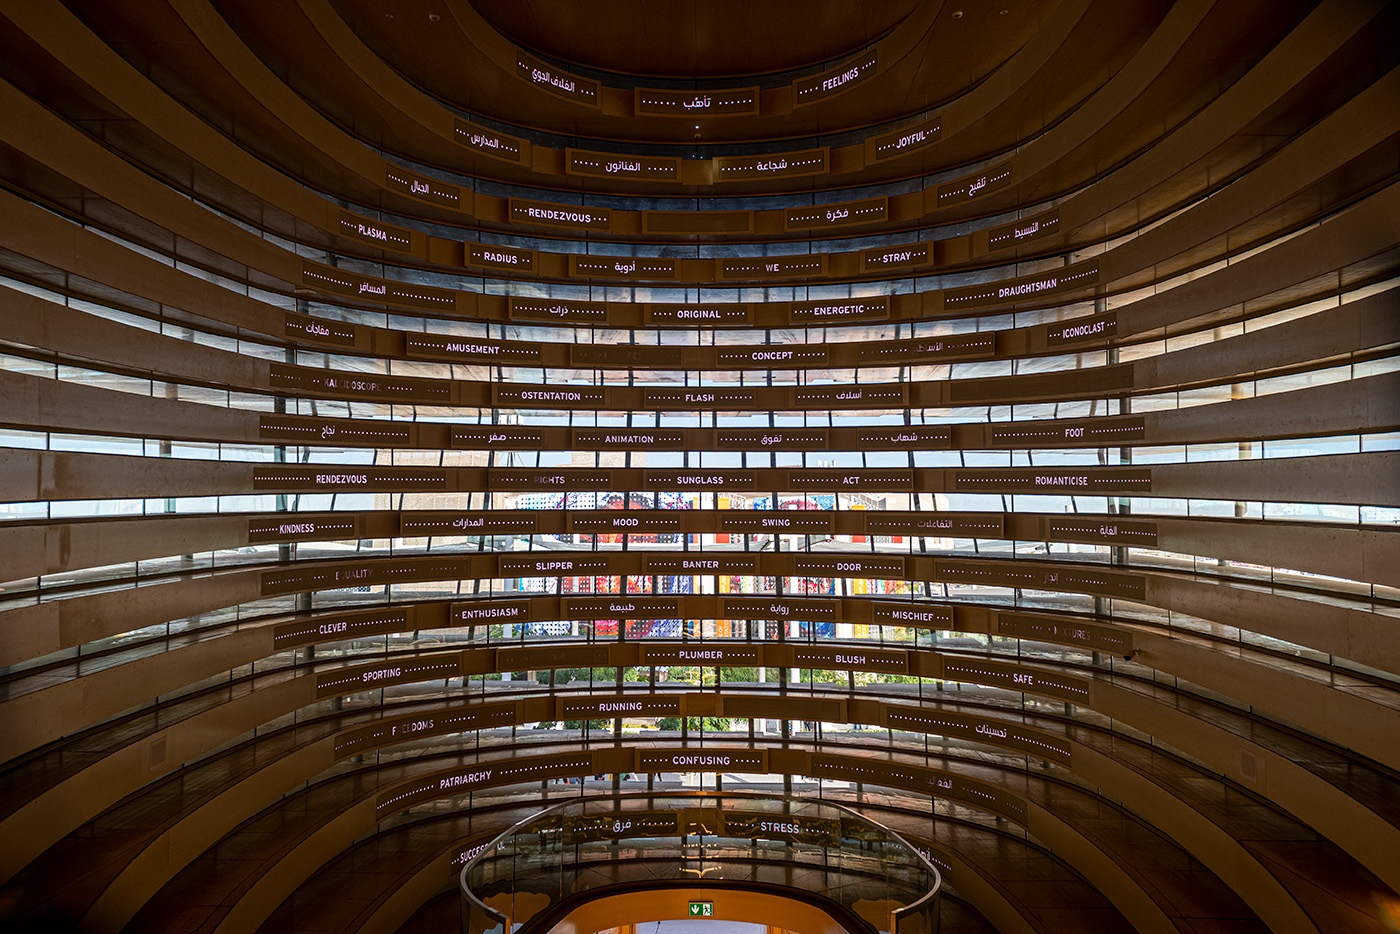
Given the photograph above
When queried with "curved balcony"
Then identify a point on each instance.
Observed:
(710, 846)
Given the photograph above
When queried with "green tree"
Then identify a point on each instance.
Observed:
(709, 724)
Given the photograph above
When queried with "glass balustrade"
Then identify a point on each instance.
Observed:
(864, 874)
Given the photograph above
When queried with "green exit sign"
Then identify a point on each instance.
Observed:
(702, 909)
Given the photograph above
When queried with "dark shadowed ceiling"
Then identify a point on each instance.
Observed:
(695, 38)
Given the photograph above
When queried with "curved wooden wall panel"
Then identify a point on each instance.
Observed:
(35, 403)
(56, 547)
(1299, 163)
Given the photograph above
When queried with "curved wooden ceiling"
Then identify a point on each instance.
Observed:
(942, 58)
